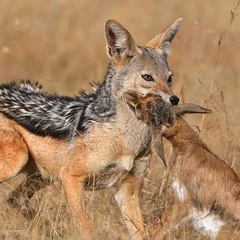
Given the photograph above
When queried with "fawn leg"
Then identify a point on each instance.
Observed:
(74, 187)
(173, 216)
(229, 232)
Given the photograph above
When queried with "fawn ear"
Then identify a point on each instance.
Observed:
(158, 146)
(120, 44)
(162, 42)
(190, 108)
(131, 97)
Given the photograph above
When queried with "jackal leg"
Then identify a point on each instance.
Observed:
(127, 198)
(13, 153)
(74, 187)
(20, 197)
(13, 158)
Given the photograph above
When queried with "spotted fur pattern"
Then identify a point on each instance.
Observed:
(56, 116)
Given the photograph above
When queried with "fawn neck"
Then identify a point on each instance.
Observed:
(182, 136)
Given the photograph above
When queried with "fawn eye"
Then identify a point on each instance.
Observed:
(169, 80)
(147, 77)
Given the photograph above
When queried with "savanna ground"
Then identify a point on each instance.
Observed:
(61, 44)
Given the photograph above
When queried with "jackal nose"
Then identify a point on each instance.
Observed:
(174, 100)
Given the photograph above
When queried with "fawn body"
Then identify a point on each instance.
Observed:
(207, 188)
(94, 140)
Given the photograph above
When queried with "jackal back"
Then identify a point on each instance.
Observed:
(60, 117)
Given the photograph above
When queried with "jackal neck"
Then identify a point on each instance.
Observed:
(103, 106)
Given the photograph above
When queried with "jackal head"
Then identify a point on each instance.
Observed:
(143, 69)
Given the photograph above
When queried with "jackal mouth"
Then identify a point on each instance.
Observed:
(170, 99)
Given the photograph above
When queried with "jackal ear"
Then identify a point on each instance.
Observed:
(162, 42)
(120, 44)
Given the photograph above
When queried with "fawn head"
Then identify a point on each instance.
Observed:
(154, 111)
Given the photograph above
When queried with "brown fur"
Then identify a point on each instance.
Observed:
(203, 182)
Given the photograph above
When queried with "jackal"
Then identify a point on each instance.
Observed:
(93, 140)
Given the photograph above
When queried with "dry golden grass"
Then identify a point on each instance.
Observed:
(61, 44)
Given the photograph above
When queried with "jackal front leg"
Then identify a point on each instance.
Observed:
(13, 153)
(74, 187)
(127, 198)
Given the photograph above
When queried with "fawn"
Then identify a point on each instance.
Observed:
(207, 188)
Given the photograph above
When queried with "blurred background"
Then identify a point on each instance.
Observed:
(61, 44)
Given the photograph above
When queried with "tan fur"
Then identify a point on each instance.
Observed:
(208, 180)
(106, 154)
(87, 157)
(206, 186)
(14, 152)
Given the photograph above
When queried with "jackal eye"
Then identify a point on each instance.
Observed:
(147, 77)
(169, 79)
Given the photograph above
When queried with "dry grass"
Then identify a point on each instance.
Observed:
(61, 44)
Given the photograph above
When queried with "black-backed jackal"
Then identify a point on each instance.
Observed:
(94, 140)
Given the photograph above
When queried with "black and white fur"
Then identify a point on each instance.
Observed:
(56, 116)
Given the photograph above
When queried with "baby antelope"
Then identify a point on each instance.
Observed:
(207, 189)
